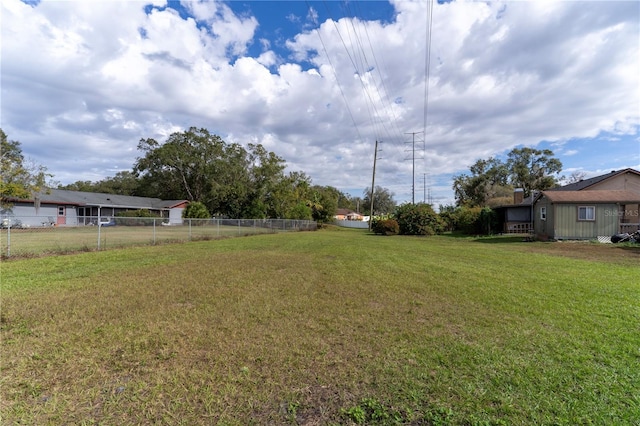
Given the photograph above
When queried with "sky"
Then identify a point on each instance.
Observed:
(438, 84)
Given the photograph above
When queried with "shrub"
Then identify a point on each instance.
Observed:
(487, 221)
(138, 213)
(385, 227)
(418, 219)
(144, 217)
(300, 212)
(448, 217)
(474, 220)
(196, 210)
(466, 219)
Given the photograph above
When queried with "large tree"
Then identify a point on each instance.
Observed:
(229, 179)
(288, 197)
(19, 178)
(323, 202)
(485, 182)
(383, 202)
(266, 172)
(491, 181)
(533, 169)
(123, 183)
(185, 166)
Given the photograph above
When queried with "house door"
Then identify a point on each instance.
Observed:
(62, 218)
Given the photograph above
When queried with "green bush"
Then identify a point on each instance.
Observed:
(448, 216)
(144, 217)
(418, 219)
(138, 213)
(487, 221)
(385, 227)
(300, 212)
(474, 220)
(196, 210)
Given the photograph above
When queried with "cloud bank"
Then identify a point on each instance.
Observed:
(83, 82)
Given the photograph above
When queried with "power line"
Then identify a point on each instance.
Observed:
(359, 72)
(386, 99)
(427, 68)
(361, 65)
(335, 74)
(413, 158)
(427, 63)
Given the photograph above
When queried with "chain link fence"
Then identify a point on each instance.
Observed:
(19, 238)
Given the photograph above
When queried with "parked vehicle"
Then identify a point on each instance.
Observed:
(634, 237)
(13, 223)
(105, 221)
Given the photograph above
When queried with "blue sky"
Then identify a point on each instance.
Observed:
(319, 82)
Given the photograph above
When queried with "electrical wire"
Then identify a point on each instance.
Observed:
(427, 66)
(324, 48)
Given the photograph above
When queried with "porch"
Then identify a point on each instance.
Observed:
(518, 228)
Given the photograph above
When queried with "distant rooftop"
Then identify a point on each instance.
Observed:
(63, 196)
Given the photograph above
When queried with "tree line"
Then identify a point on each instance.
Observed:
(226, 179)
(491, 182)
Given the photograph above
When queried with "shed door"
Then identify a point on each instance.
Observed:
(62, 216)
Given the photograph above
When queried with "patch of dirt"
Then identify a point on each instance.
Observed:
(319, 404)
(627, 255)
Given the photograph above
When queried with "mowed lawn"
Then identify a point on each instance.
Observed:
(63, 240)
(327, 327)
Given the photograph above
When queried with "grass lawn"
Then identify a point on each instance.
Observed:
(327, 327)
(63, 240)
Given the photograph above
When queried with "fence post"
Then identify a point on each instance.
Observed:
(189, 229)
(154, 231)
(9, 239)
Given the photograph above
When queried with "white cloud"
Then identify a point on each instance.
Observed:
(87, 80)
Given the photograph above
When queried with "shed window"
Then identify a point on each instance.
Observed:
(543, 213)
(586, 213)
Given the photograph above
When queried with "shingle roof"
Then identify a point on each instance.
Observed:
(63, 196)
(595, 196)
(578, 186)
(344, 212)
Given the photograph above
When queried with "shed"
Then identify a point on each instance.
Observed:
(584, 215)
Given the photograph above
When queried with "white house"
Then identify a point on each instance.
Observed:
(75, 208)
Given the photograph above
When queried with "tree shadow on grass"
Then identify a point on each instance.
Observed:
(490, 239)
(504, 239)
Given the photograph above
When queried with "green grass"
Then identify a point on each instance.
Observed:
(330, 327)
(60, 240)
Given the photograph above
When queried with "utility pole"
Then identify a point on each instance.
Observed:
(413, 158)
(373, 183)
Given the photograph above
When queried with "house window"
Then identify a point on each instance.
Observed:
(543, 213)
(586, 213)
(60, 211)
